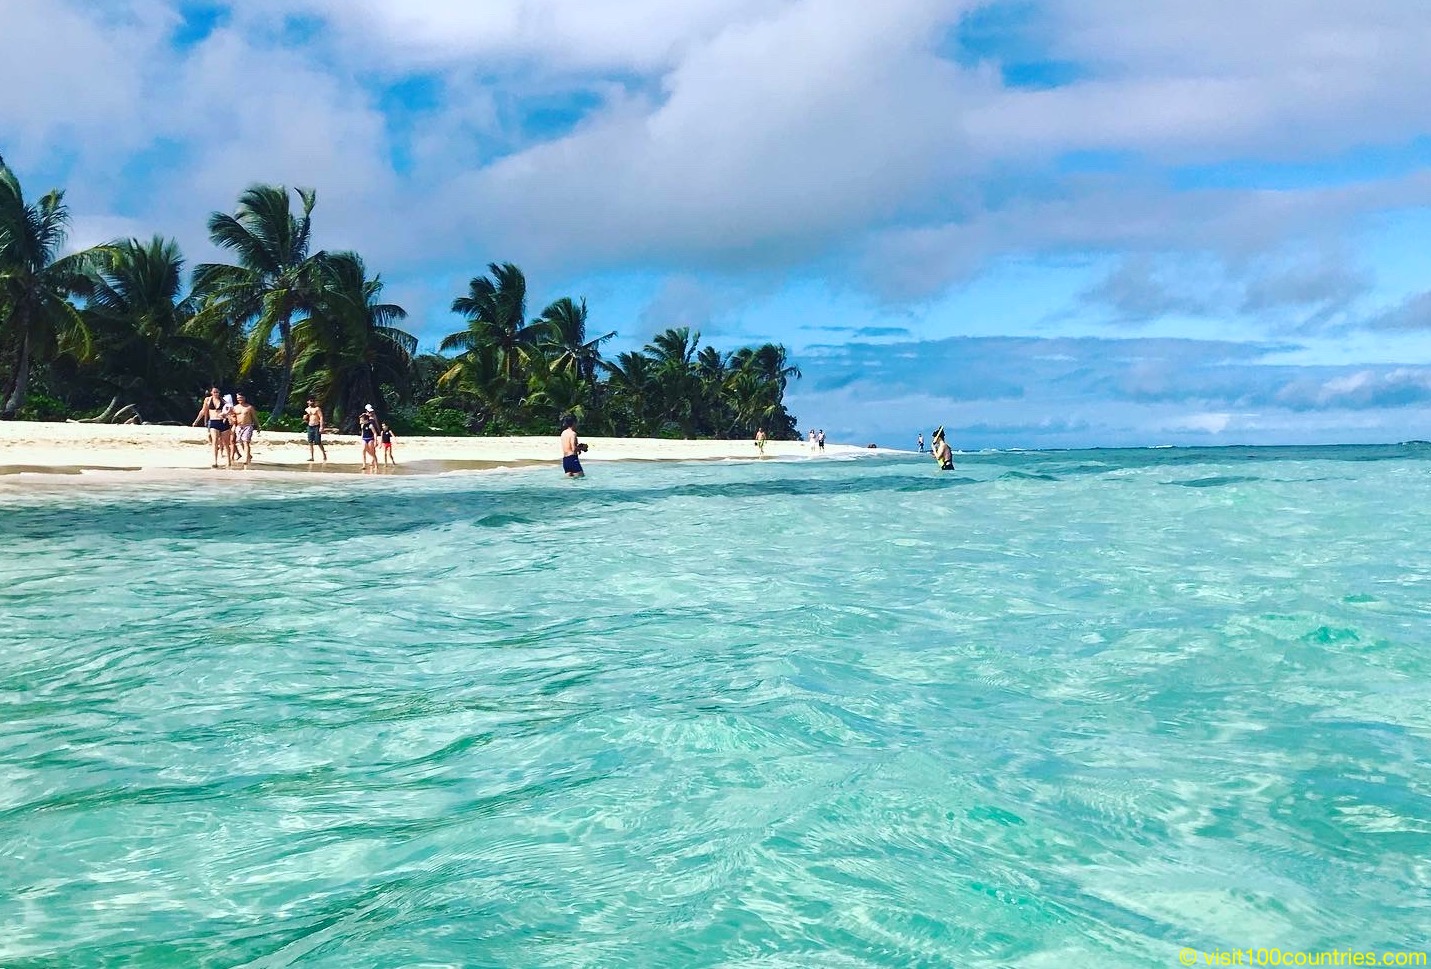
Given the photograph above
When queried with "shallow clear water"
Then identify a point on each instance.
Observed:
(1082, 708)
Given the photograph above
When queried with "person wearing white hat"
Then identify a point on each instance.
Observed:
(368, 430)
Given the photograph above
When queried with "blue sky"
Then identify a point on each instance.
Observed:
(1038, 222)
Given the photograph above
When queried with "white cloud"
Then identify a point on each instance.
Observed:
(76, 79)
(772, 139)
(254, 113)
(1200, 78)
(749, 135)
(1207, 423)
(562, 35)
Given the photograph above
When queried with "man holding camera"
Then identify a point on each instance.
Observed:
(571, 448)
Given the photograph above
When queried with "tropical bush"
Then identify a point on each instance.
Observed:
(43, 407)
(435, 419)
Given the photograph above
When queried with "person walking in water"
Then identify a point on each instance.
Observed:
(313, 417)
(212, 414)
(245, 419)
(760, 440)
(571, 448)
(943, 456)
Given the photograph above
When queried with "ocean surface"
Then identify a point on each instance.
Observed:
(1052, 709)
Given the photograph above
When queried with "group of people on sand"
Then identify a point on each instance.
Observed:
(816, 440)
(374, 432)
(232, 422)
(371, 433)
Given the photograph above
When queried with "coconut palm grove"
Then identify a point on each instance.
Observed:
(114, 334)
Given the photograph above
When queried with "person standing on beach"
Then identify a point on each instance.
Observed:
(921, 443)
(313, 417)
(387, 437)
(213, 415)
(571, 448)
(368, 430)
(229, 416)
(760, 440)
(812, 441)
(820, 438)
(245, 419)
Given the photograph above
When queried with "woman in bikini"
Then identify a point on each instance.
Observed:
(214, 415)
(368, 430)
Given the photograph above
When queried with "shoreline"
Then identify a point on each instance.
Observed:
(73, 451)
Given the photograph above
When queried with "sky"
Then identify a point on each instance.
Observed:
(1041, 223)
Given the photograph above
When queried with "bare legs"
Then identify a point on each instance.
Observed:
(223, 444)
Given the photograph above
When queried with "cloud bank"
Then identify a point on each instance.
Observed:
(1029, 392)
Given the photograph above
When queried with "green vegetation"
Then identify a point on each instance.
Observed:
(110, 333)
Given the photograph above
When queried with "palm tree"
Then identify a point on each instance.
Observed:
(631, 381)
(675, 348)
(673, 355)
(711, 365)
(752, 402)
(566, 340)
(348, 345)
(769, 365)
(561, 392)
(139, 317)
(496, 310)
(712, 369)
(769, 360)
(477, 379)
(37, 283)
(275, 280)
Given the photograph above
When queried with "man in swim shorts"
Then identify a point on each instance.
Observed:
(571, 448)
(245, 419)
(313, 417)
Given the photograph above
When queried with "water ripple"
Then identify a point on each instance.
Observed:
(1046, 711)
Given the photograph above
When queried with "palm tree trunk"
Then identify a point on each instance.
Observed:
(22, 379)
(285, 378)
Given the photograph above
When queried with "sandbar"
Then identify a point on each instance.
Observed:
(51, 448)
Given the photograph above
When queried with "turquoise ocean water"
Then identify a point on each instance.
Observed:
(1058, 709)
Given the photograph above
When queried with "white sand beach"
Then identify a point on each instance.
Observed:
(51, 448)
